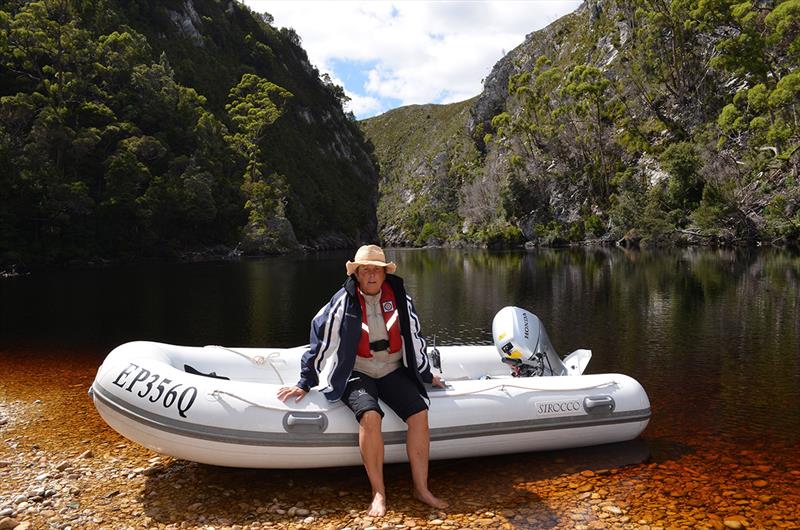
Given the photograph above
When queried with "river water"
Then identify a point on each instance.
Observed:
(712, 335)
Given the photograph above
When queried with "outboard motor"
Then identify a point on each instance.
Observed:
(523, 344)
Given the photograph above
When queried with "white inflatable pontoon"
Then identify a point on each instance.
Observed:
(218, 405)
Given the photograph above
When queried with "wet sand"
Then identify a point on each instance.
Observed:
(63, 467)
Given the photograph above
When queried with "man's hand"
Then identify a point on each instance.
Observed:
(437, 382)
(291, 391)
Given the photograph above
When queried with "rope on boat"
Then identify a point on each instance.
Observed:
(218, 393)
(258, 359)
(503, 386)
(272, 365)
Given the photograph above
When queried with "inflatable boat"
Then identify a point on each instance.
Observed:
(217, 405)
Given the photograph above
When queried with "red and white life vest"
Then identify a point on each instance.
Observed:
(390, 317)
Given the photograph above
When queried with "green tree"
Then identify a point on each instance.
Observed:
(685, 187)
(51, 60)
(534, 92)
(763, 47)
(589, 115)
(255, 104)
(106, 152)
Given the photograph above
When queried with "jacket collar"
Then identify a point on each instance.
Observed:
(351, 285)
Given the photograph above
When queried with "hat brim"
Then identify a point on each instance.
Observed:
(353, 265)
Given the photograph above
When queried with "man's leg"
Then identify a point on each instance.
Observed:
(361, 396)
(418, 447)
(370, 441)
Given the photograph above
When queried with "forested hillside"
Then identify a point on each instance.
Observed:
(423, 154)
(671, 121)
(137, 128)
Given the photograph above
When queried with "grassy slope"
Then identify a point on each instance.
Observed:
(425, 154)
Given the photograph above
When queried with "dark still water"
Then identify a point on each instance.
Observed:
(714, 336)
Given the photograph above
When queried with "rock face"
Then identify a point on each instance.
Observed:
(277, 237)
(187, 21)
(494, 97)
(582, 133)
(441, 183)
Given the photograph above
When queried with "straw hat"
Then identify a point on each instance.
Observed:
(370, 255)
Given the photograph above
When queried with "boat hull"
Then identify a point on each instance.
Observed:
(144, 391)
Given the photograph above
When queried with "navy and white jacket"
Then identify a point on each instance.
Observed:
(336, 331)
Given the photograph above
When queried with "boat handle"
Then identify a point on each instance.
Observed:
(305, 422)
(598, 404)
(293, 420)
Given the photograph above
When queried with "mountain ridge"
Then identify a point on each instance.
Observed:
(622, 121)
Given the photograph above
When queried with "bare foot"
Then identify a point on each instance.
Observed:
(428, 498)
(378, 506)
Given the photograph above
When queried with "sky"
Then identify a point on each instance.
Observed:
(389, 54)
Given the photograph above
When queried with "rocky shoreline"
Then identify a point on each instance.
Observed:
(108, 482)
(628, 243)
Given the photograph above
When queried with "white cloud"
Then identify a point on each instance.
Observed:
(364, 105)
(410, 51)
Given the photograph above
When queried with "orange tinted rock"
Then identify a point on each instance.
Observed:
(716, 523)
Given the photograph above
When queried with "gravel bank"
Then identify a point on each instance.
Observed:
(63, 468)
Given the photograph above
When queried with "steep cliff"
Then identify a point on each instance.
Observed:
(131, 128)
(673, 121)
(320, 150)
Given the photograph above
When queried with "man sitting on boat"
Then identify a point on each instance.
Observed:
(371, 330)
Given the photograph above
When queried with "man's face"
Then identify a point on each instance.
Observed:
(370, 278)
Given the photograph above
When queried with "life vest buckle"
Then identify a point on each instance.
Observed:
(379, 345)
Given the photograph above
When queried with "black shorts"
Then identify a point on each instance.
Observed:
(396, 389)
